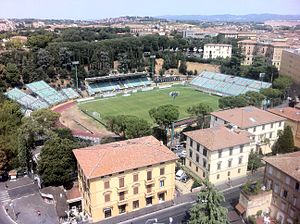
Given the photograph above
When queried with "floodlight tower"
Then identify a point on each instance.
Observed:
(75, 63)
(152, 59)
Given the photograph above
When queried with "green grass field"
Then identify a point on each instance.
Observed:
(138, 104)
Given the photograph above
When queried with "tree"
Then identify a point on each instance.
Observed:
(233, 101)
(271, 93)
(282, 83)
(57, 162)
(128, 126)
(254, 161)
(285, 142)
(12, 74)
(164, 115)
(254, 98)
(199, 111)
(208, 208)
(183, 67)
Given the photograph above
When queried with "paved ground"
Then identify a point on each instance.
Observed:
(20, 199)
(184, 188)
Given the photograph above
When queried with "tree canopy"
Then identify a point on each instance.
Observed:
(285, 142)
(208, 208)
(164, 115)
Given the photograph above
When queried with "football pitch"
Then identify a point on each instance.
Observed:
(139, 103)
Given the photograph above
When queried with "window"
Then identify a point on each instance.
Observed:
(239, 170)
(135, 177)
(198, 147)
(220, 153)
(149, 175)
(162, 171)
(270, 135)
(283, 206)
(107, 212)
(216, 118)
(190, 163)
(287, 180)
(191, 153)
(229, 163)
(218, 176)
(149, 188)
(197, 158)
(135, 190)
(107, 197)
(204, 163)
(254, 129)
(263, 127)
(294, 200)
(149, 201)
(297, 186)
(276, 188)
(191, 142)
(285, 194)
(196, 168)
(240, 160)
(203, 175)
(205, 152)
(270, 170)
(121, 182)
(228, 174)
(161, 197)
(230, 151)
(135, 204)
(280, 123)
(122, 196)
(241, 149)
(219, 165)
(106, 184)
(272, 125)
(161, 183)
(122, 209)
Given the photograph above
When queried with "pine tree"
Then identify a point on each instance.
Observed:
(208, 209)
(285, 142)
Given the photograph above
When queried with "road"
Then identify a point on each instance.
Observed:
(179, 212)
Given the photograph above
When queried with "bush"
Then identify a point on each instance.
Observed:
(196, 184)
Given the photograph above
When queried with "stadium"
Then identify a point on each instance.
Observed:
(128, 94)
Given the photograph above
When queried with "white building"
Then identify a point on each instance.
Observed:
(217, 50)
(263, 124)
(219, 154)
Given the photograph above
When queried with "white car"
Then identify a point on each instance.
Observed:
(179, 174)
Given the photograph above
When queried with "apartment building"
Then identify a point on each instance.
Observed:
(282, 175)
(292, 116)
(218, 153)
(262, 124)
(271, 51)
(198, 34)
(290, 64)
(124, 176)
(212, 51)
(239, 35)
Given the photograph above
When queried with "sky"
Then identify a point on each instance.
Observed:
(99, 9)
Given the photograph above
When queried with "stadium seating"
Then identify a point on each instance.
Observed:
(70, 93)
(226, 85)
(27, 101)
(109, 86)
(46, 92)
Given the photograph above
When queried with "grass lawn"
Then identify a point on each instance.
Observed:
(138, 104)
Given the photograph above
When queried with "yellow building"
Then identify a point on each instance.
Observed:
(219, 154)
(124, 176)
(290, 64)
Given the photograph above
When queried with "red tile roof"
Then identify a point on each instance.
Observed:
(288, 163)
(105, 159)
(247, 117)
(287, 112)
(219, 137)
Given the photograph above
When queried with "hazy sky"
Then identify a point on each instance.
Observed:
(97, 9)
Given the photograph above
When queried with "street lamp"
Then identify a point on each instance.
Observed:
(75, 63)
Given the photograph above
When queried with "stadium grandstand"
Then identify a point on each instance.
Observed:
(70, 93)
(25, 100)
(226, 85)
(117, 82)
(46, 92)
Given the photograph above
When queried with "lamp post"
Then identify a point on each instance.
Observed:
(75, 63)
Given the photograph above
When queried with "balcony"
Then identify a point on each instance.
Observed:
(150, 192)
(123, 201)
(121, 189)
(148, 182)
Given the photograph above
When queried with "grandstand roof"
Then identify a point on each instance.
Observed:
(117, 76)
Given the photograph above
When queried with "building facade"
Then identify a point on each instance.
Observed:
(290, 64)
(212, 51)
(218, 154)
(264, 125)
(124, 176)
(293, 120)
(282, 175)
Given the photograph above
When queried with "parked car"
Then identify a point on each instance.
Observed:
(179, 174)
(182, 154)
(177, 147)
